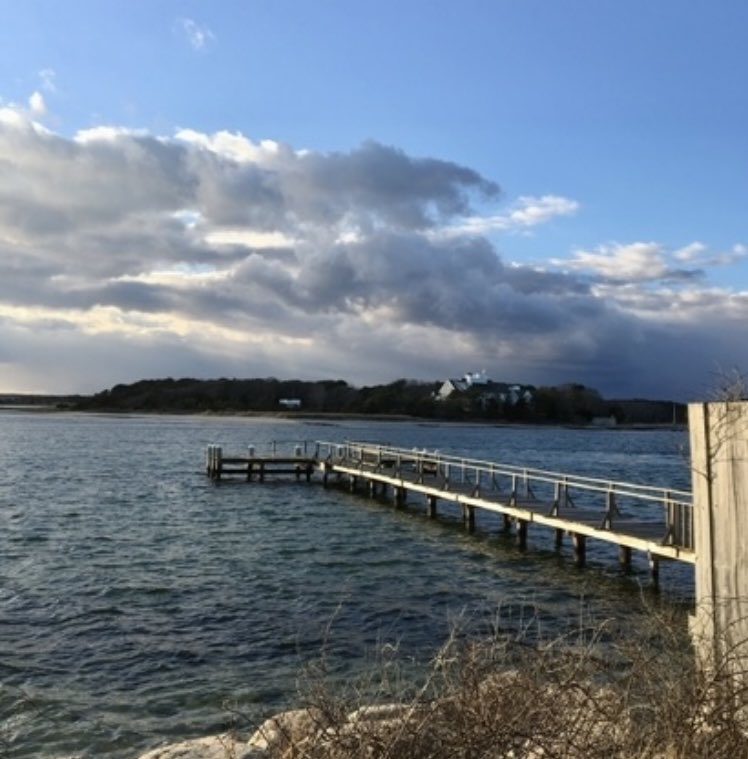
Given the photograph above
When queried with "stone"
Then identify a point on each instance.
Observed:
(288, 729)
(212, 747)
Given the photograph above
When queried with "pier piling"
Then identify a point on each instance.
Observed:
(521, 534)
(580, 549)
(431, 506)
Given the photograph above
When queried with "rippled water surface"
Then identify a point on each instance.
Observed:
(139, 603)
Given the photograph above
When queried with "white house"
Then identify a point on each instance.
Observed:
(470, 379)
(485, 390)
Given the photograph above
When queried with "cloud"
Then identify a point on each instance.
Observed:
(197, 35)
(525, 213)
(698, 253)
(211, 254)
(691, 252)
(48, 79)
(633, 262)
(37, 105)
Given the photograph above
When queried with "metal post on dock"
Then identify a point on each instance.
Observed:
(556, 508)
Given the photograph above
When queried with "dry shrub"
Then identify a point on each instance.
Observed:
(628, 699)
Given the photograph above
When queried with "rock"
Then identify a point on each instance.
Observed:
(287, 729)
(213, 747)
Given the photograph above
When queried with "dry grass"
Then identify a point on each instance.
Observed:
(506, 698)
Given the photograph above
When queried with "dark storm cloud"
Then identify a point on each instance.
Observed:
(457, 284)
(386, 185)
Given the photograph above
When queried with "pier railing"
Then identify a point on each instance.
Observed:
(564, 494)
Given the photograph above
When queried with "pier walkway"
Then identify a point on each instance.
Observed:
(656, 521)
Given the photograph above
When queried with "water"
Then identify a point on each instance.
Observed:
(139, 603)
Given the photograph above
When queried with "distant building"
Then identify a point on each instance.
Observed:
(290, 403)
(604, 421)
(470, 379)
(478, 387)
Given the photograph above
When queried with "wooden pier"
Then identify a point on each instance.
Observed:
(253, 467)
(656, 521)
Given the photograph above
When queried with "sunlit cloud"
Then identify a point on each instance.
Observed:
(690, 253)
(37, 105)
(525, 213)
(249, 238)
(639, 261)
(633, 262)
(232, 145)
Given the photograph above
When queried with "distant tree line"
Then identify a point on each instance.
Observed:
(566, 404)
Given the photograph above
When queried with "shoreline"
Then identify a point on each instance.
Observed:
(332, 416)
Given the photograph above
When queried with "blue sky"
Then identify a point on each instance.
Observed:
(553, 191)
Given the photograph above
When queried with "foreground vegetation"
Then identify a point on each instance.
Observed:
(566, 699)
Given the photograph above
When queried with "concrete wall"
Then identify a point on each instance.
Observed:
(719, 461)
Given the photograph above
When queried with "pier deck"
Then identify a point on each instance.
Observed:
(656, 521)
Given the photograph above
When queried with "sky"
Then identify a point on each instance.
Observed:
(549, 190)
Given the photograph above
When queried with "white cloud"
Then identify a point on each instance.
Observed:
(48, 79)
(10, 116)
(525, 213)
(532, 211)
(249, 238)
(638, 262)
(642, 262)
(735, 255)
(25, 117)
(106, 134)
(690, 253)
(21, 115)
(197, 35)
(234, 146)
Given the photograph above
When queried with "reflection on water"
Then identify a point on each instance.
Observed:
(138, 600)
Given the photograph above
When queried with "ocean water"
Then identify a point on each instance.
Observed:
(141, 604)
